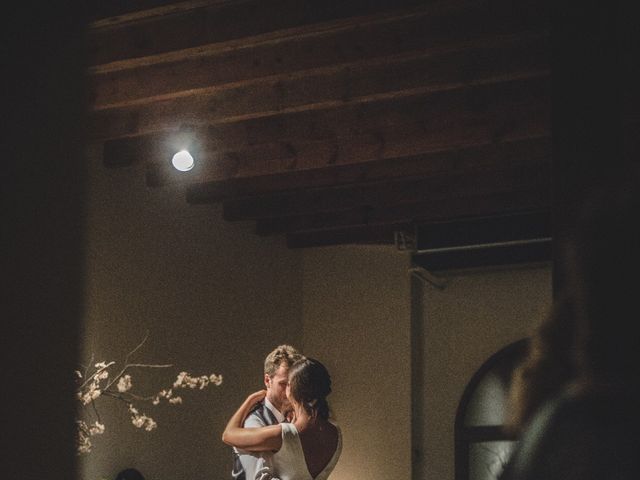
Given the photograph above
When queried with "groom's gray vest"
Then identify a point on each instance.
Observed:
(260, 411)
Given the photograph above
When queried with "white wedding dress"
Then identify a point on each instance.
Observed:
(288, 463)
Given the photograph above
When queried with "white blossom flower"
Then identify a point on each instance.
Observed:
(143, 421)
(83, 443)
(184, 380)
(96, 429)
(180, 379)
(175, 400)
(90, 394)
(166, 393)
(124, 383)
(150, 425)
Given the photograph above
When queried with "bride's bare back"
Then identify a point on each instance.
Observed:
(319, 444)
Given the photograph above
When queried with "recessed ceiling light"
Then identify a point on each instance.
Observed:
(183, 161)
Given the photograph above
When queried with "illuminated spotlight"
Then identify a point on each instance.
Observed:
(183, 161)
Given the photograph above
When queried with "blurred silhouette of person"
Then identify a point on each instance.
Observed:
(582, 420)
(548, 367)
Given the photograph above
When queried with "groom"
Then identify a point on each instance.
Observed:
(270, 411)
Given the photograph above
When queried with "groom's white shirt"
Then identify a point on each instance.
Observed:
(274, 410)
(255, 463)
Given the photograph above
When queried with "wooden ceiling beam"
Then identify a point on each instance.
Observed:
(387, 169)
(383, 231)
(331, 87)
(477, 180)
(257, 71)
(437, 209)
(134, 36)
(371, 132)
(103, 13)
(361, 234)
(131, 36)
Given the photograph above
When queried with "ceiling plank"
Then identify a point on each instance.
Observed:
(224, 115)
(232, 73)
(130, 38)
(214, 22)
(499, 60)
(477, 180)
(535, 149)
(103, 13)
(434, 210)
(382, 230)
(361, 234)
(375, 131)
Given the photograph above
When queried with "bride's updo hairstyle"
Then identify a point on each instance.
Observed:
(309, 385)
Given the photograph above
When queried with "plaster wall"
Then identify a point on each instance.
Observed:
(356, 320)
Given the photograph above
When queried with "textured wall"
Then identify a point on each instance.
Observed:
(356, 320)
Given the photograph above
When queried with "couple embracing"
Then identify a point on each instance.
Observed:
(284, 432)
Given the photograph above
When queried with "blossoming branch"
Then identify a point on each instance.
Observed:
(99, 381)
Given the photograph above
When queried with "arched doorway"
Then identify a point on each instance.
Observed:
(482, 447)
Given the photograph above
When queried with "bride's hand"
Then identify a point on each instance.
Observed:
(256, 397)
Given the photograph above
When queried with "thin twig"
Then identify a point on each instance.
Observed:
(96, 373)
(95, 410)
(148, 365)
(146, 336)
(127, 396)
(126, 361)
(132, 365)
(86, 367)
(116, 395)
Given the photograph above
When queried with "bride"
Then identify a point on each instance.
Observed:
(309, 446)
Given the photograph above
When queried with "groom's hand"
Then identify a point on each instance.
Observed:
(289, 415)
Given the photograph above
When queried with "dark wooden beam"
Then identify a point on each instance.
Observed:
(531, 150)
(538, 252)
(375, 131)
(508, 201)
(282, 74)
(113, 12)
(213, 22)
(340, 87)
(204, 23)
(349, 235)
(479, 180)
(470, 231)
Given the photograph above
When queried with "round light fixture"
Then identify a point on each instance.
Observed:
(183, 161)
